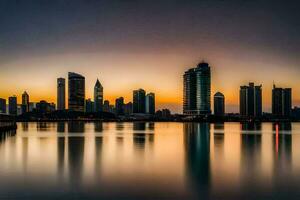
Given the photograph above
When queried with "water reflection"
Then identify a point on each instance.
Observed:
(197, 145)
(151, 160)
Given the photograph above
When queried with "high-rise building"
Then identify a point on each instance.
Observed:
(12, 105)
(98, 97)
(281, 101)
(76, 92)
(196, 90)
(3, 106)
(25, 102)
(120, 106)
(150, 103)
(219, 104)
(139, 101)
(61, 94)
(251, 100)
(89, 106)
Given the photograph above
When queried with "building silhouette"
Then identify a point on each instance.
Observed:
(219, 104)
(139, 101)
(281, 101)
(2, 105)
(12, 105)
(106, 106)
(120, 106)
(89, 106)
(45, 107)
(25, 102)
(196, 90)
(128, 108)
(98, 97)
(150, 103)
(251, 100)
(61, 94)
(76, 92)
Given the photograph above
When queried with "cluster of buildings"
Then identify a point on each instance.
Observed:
(197, 96)
(143, 103)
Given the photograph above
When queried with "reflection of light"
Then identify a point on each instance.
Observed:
(276, 139)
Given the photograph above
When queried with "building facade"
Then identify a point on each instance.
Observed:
(120, 106)
(150, 103)
(2, 105)
(251, 100)
(196, 90)
(12, 105)
(281, 101)
(98, 97)
(106, 106)
(219, 104)
(61, 94)
(89, 106)
(25, 102)
(139, 101)
(76, 92)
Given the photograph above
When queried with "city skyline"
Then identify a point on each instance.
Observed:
(125, 53)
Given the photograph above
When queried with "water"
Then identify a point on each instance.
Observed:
(151, 160)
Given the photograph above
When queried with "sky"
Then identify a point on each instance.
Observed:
(149, 44)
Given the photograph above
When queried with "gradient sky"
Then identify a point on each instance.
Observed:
(149, 44)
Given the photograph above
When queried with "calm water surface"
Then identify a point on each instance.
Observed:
(151, 160)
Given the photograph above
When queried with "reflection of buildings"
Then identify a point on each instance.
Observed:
(251, 126)
(76, 127)
(197, 145)
(75, 157)
(42, 126)
(141, 137)
(140, 126)
(98, 126)
(25, 126)
(60, 156)
(60, 127)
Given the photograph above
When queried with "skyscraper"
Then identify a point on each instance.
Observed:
(139, 101)
(12, 105)
(120, 106)
(150, 103)
(219, 104)
(196, 90)
(3, 106)
(281, 101)
(98, 97)
(251, 100)
(25, 102)
(76, 92)
(61, 94)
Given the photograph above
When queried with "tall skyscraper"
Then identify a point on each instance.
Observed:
(251, 100)
(196, 90)
(98, 97)
(120, 106)
(150, 103)
(3, 106)
(12, 105)
(76, 92)
(25, 102)
(219, 104)
(281, 101)
(139, 101)
(61, 94)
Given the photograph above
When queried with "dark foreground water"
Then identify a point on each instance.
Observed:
(151, 161)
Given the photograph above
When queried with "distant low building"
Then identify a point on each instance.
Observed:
(128, 108)
(106, 106)
(45, 107)
(89, 106)
(12, 105)
(120, 106)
